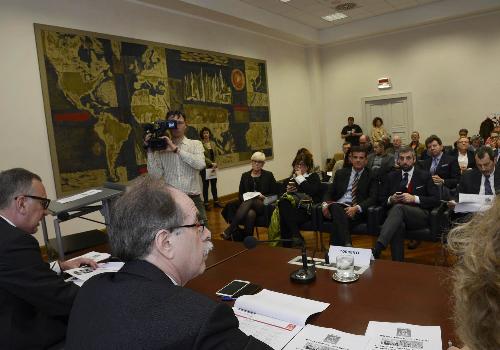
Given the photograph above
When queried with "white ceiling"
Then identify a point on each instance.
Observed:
(300, 21)
(309, 12)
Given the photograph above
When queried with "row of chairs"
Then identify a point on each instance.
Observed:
(375, 219)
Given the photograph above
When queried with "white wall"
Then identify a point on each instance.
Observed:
(23, 136)
(451, 69)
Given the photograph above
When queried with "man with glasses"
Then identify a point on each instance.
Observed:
(180, 163)
(156, 230)
(34, 301)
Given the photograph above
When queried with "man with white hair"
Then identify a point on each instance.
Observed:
(156, 230)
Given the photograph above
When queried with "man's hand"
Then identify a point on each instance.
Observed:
(325, 210)
(214, 166)
(74, 263)
(451, 204)
(437, 180)
(171, 147)
(351, 211)
(147, 138)
(396, 198)
(407, 198)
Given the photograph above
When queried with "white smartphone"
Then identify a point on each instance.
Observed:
(232, 288)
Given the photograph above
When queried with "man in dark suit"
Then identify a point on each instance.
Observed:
(156, 230)
(353, 190)
(409, 194)
(34, 301)
(484, 179)
(443, 167)
(380, 162)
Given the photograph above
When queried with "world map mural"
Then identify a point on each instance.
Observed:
(100, 90)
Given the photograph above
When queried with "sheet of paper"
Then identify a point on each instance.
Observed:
(475, 198)
(471, 207)
(210, 174)
(84, 273)
(361, 256)
(78, 196)
(96, 256)
(281, 306)
(75, 280)
(250, 195)
(395, 336)
(321, 264)
(271, 331)
(314, 337)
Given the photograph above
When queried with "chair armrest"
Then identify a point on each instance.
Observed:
(375, 218)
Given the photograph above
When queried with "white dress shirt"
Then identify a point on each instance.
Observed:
(179, 169)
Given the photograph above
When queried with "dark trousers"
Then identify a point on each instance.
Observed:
(342, 224)
(206, 184)
(401, 217)
(290, 220)
(246, 214)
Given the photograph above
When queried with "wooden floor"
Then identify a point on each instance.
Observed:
(428, 253)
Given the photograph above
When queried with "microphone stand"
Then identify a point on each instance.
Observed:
(305, 274)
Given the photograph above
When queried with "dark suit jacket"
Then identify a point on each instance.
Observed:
(447, 169)
(34, 301)
(140, 308)
(471, 160)
(386, 165)
(422, 185)
(470, 181)
(267, 185)
(367, 188)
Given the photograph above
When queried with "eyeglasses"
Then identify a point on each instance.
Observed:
(200, 227)
(43, 201)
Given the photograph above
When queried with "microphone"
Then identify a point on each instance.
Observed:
(303, 275)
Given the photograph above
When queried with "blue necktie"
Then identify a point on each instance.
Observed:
(434, 165)
(487, 185)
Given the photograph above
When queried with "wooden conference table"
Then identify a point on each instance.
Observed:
(388, 291)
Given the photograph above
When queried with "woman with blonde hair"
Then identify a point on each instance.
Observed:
(476, 280)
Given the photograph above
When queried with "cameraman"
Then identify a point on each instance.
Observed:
(180, 162)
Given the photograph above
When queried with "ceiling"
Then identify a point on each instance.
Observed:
(299, 21)
(309, 12)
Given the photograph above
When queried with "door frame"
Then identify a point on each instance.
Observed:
(367, 124)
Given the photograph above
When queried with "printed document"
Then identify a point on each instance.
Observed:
(86, 272)
(250, 195)
(396, 336)
(314, 337)
(471, 203)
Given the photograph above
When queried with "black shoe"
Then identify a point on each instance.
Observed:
(227, 235)
(207, 206)
(413, 244)
(217, 205)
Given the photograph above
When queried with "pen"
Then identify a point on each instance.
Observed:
(227, 298)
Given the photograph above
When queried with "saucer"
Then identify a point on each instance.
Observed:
(337, 278)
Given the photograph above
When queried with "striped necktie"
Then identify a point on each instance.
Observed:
(487, 185)
(434, 165)
(354, 190)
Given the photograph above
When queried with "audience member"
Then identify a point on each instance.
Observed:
(351, 132)
(479, 180)
(415, 144)
(364, 141)
(378, 130)
(464, 156)
(156, 230)
(35, 302)
(210, 151)
(353, 191)
(305, 189)
(180, 163)
(396, 146)
(255, 180)
(379, 162)
(476, 142)
(343, 163)
(492, 139)
(409, 194)
(443, 167)
(476, 280)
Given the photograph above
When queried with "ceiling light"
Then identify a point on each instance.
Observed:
(285, 0)
(334, 17)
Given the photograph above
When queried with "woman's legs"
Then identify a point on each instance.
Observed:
(290, 220)
(243, 216)
(213, 183)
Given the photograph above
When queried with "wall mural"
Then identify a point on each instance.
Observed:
(100, 90)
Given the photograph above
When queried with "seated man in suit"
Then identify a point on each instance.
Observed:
(353, 191)
(379, 162)
(443, 167)
(35, 302)
(156, 230)
(409, 194)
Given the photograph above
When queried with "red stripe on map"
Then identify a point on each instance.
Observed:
(72, 117)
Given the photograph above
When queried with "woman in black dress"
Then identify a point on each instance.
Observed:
(255, 180)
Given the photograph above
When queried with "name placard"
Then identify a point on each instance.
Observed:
(361, 256)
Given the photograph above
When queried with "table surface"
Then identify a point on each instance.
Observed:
(388, 291)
